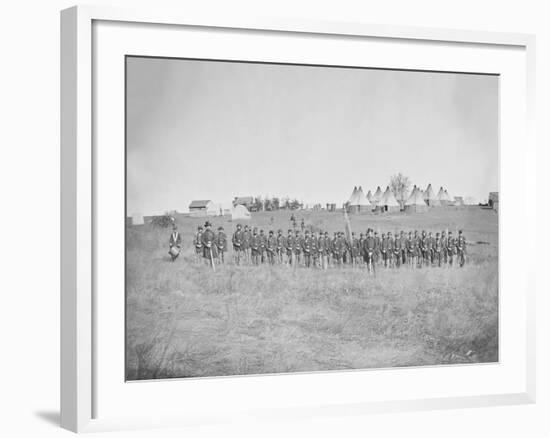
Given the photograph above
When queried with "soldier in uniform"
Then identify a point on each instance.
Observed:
(323, 247)
(461, 248)
(377, 245)
(302, 225)
(397, 247)
(297, 248)
(424, 248)
(361, 257)
(337, 249)
(209, 248)
(355, 249)
(221, 244)
(369, 251)
(315, 249)
(271, 247)
(263, 244)
(416, 250)
(332, 259)
(438, 248)
(174, 243)
(237, 241)
(444, 246)
(280, 247)
(403, 247)
(289, 247)
(247, 235)
(451, 246)
(197, 243)
(430, 245)
(384, 249)
(307, 248)
(409, 248)
(255, 247)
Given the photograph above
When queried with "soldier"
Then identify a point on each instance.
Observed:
(384, 248)
(280, 246)
(391, 247)
(174, 243)
(333, 248)
(297, 248)
(237, 241)
(438, 247)
(322, 247)
(263, 244)
(289, 247)
(315, 249)
(397, 246)
(221, 244)
(209, 248)
(355, 250)
(451, 246)
(430, 245)
(302, 225)
(255, 247)
(423, 248)
(271, 247)
(307, 248)
(444, 246)
(247, 235)
(403, 254)
(409, 247)
(377, 242)
(461, 248)
(416, 250)
(361, 257)
(369, 251)
(197, 242)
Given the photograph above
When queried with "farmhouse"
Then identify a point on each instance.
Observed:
(203, 208)
(246, 201)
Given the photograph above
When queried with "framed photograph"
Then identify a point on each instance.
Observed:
(275, 219)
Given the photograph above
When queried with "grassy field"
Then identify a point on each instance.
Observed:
(183, 320)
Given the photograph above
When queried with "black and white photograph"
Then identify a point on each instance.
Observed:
(287, 218)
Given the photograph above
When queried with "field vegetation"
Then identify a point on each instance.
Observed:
(184, 320)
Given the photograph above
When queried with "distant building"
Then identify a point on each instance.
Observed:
(493, 200)
(246, 201)
(201, 208)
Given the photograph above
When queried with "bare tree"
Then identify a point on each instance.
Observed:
(399, 185)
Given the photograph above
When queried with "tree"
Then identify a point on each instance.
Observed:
(399, 185)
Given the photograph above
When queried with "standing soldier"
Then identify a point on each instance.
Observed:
(444, 246)
(306, 248)
(302, 225)
(280, 247)
(174, 243)
(289, 246)
(384, 248)
(297, 248)
(423, 244)
(461, 248)
(237, 241)
(333, 248)
(271, 247)
(197, 242)
(403, 248)
(221, 244)
(209, 248)
(255, 247)
(369, 251)
(263, 244)
(397, 246)
(361, 248)
(315, 249)
(322, 248)
(438, 247)
(391, 247)
(430, 245)
(247, 235)
(409, 247)
(451, 246)
(377, 246)
(337, 249)
(416, 250)
(355, 249)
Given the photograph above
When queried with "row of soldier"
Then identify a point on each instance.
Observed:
(318, 249)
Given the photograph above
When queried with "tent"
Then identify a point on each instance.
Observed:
(369, 196)
(416, 203)
(450, 199)
(359, 202)
(388, 203)
(240, 212)
(377, 197)
(353, 197)
(429, 196)
(442, 198)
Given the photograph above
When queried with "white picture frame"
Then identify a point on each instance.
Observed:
(79, 223)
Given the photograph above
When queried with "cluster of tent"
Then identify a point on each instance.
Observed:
(385, 201)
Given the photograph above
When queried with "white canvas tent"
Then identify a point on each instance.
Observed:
(377, 197)
(359, 202)
(352, 198)
(416, 203)
(429, 196)
(442, 197)
(240, 212)
(369, 196)
(388, 203)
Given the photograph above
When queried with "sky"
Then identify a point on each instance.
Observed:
(216, 130)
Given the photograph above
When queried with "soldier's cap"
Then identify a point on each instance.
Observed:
(270, 231)
(437, 234)
(326, 233)
(200, 227)
(220, 228)
(207, 224)
(289, 230)
(459, 231)
(262, 230)
(279, 230)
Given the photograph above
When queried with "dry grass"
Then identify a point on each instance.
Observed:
(184, 320)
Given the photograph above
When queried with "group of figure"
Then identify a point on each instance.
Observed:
(320, 250)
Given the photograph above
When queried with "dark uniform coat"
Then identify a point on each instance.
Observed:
(208, 243)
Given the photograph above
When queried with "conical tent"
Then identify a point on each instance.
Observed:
(388, 202)
(351, 199)
(377, 195)
(441, 199)
(369, 196)
(359, 203)
(429, 195)
(416, 203)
